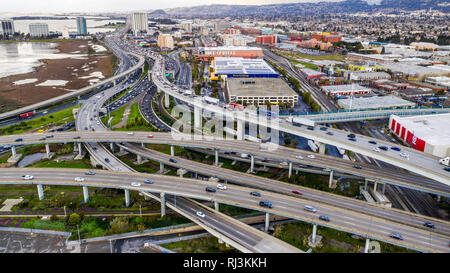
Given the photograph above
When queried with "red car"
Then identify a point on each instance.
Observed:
(150, 136)
(297, 192)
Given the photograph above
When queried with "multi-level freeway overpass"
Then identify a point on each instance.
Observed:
(283, 205)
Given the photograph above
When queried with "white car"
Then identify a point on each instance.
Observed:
(299, 157)
(130, 133)
(405, 155)
(135, 184)
(222, 187)
(376, 149)
(311, 156)
(27, 177)
(79, 179)
(284, 163)
(201, 214)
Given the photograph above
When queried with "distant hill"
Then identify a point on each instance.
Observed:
(301, 9)
(157, 12)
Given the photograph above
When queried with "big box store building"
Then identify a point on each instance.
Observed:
(429, 133)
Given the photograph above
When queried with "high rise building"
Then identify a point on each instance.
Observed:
(81, 26)
(38, 29)
(139, 22)
(188, 27)
(165, 41)
(7, 27)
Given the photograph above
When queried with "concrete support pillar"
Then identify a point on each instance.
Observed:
(216, 205)
(166, 100)
(79, 149)
(383, 189)
(365, 185)
(47, 150)
(139, 159)
(366, 247)
(161, 167)
(197, 118)
(266, 226)
(216, 162)
(163, 204)
(240, 129)
(85, 194)
(375, 186)
(252, 164)
(127, 198)
(172, 150)
(142, 145)
(111, 145)
(314, 233)
(322, 148)
(40, 191)
(439, 198)
(330, 182)
(290, 170)
(13, 151)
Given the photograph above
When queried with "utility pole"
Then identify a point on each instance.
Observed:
(79, 238)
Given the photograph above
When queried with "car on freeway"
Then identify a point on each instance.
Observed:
(351, 135)
(447, 169)
(384, 148)
(18, 139)
(297, 192)
(89, 173)
(265, 204)
(135, 184)
(210, 189)
(200, 214)
(150, 136)
(130, 133)
(405, 155)
(148, 181)
(311, 156)
(49, 136)
(255, 193)
(323, 128)
(310, 128)
(395, 148)
(310, 208)
(429, 225)
(324, 218)
(173, 160)
(396, 235)
(299, 157)
(265, 159)
(352, 139)
(86, 128)
(330, 133)
(221, 186)
(79, 179)
(27, 177)
(42, 138)
(356, 166)
(106, 159)
(372, 142)
(284, 163)
(376, 149)
(77, 137)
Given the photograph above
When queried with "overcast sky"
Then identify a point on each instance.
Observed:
(47, 6)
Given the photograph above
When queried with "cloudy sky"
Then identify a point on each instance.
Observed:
(46, 6)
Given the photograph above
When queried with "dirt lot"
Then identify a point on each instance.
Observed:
(70, 69)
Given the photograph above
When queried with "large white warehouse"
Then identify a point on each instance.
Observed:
(429, 133)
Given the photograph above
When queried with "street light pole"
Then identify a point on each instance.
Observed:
(79, 238)
(140, 210)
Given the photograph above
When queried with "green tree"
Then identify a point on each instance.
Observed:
(74, 219)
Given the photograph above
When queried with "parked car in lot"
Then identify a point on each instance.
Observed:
(79, 179)
(210, 189)
(255, 193)
(396, 235)
(324, 218)
(265, 204)
(27, 177)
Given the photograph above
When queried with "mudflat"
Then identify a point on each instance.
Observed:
(74, 71)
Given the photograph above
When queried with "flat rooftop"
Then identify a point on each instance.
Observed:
(345, 88)
(228, 48)
(434, 129)
(254, 87)
(311, 72)
(224, 65)
(375, 102)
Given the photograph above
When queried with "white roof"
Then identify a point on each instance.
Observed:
(236, 48)
(375, 102)
(433, 129)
